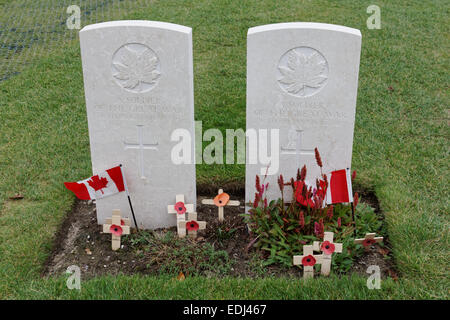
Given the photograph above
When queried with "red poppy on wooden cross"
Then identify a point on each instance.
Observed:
(369, 240)
(180, 208)
(328, 247)
(308, 260)
(220, 201)
(191, 225)
(117, 226)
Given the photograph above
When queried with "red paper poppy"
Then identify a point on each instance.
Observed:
(299, 185)
(192, 225)
(368, 242)
(308, 261)
(180, 208)
(327, 247)
(116, 230)
(221, 199)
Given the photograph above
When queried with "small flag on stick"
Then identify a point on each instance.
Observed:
(339, 187)
(99, 186)
(340, 190)
(102, 185)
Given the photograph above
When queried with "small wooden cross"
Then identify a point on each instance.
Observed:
(221, 200)
(368, 240)
(191, 225)
(308, 260)
(180, 209)
(328, 247)
(117, 227)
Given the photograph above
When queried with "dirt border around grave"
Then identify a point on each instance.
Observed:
(80, 222)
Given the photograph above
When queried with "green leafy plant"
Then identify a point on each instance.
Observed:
(280, 228)
(224, 233)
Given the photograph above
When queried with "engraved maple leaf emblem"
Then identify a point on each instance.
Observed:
(136, 67)
(303, 70)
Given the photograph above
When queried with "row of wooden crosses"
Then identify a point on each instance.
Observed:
(187, 223)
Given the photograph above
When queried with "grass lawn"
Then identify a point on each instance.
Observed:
(400, 146)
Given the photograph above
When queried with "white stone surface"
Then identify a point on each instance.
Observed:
(302, 79)
(138, 80)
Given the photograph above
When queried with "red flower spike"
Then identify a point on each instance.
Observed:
(192, 225)
(116, 230)
(355, 199)
(327, 247)
(319, 228)
(257, 199)
(308, 261)
(316, 229)
(318, 158)
(303, 173)
(339, 222)
(368, 242)
(180, 208)
(353, 175)
(330, 212)
(262, 191)
(302, 219)
(281, 182)
(257, 184)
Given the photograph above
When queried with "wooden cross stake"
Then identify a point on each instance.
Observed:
(118, 227)
(220, 201)
(180, 209)
(191, 225)
(368, 240)
(328, 247)
(308, 260)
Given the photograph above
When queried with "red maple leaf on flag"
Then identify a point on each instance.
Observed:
(98, 183)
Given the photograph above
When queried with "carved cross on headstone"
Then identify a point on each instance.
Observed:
(221, 200)
(191, 225)
(294, 145)
(141, 146)
(369, 240)
(308, 260)
(117, 227)
(328, 247)
(180, 209)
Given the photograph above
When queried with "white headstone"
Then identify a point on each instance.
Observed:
(138, 81)
(302, 79)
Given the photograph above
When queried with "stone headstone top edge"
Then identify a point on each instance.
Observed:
(303, 25)
(138, 23)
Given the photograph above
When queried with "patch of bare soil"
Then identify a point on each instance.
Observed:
(80, 242)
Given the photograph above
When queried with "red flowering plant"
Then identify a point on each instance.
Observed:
(280, 228)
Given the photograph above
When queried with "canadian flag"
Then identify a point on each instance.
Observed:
(99, 186)
(339, 187)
